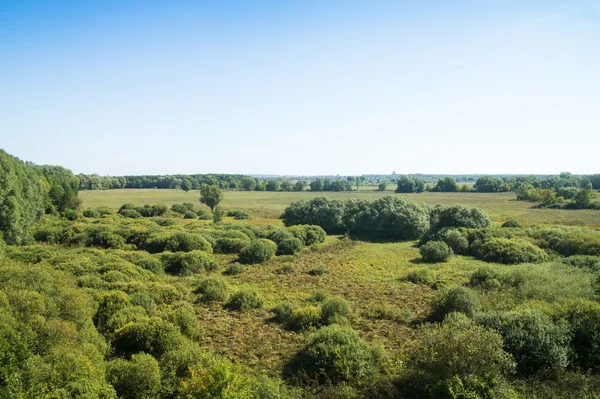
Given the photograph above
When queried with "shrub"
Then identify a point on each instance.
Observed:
(486, 278)
(138, 378)
(534, 341)
(435, 251)
(243, 215)
(421, 277)
(186, 263)
(457, 216)
(226, 245)
(584, 320)
(130, 213)
(182, 208)
(154, 336)
(319, 270)
(457, 359)
(245, 299)
(204, 214)
(458, 299)
(258, 251)
(159, 209)
(105, 211)
(318, 296)
(305, 317)
(511, 223)
(287, 268)
(336, 354)
(234, 269)
(190, 215)
(284, 313)
(335, 310)
(509, 251)
(71, 214)
(583, 262)
(91, 213)
(456, 241)
(308, 234)
(212, 290)
(290, 246)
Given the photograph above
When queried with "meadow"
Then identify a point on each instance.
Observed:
(270, 205)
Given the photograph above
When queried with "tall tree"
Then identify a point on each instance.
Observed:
(210, 195)
(21, 199)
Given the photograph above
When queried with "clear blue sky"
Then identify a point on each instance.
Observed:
(302, 87)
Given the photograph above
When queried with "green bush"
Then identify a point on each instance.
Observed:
(336, 354)
(535, 342)
(509, 251)
(212, 290)
(308, 234)
(290, 246)
(456, 359)
(287, 268)
(138, 378)
(511, 223)
(284, 313)
(583, 262)
(458, 299)
(319, 270)
(305, 317)
(182, 208)
(258, 251)
(318, 296)
(455, 240)
(486, 278)
(234, 269)
(190, 215)
(245, 299)
(421, 277)
(130, 213)
(154, 336)
(435, 251)
(91, 213)
(204, 214)
(183, 316)
(227, 245)
(186, 263)
(583, 318)
(335, 310)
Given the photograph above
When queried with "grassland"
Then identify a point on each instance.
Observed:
(368, 275)
(500, 206)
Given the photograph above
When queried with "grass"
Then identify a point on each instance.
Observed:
(500, 206)
(370, 276)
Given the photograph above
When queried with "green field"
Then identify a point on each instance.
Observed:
(500, 207)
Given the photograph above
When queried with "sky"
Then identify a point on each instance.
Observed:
(312, 87)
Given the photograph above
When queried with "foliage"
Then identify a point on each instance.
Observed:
(335, 310)
(210, 195)
(407, 184)
(489, 184)
(457, 359)
(21, 199)
(212, 290)
(336, 354)
(511, 223)
(234, 269)
(186, 263)
(446, 185)
(534, 341)
(245, 299)
(458, 299)
(138, 378)
(319, 270)
(258, 251)
(435, 251)
(509, 251)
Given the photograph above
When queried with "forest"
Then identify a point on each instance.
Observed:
(383, 296)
